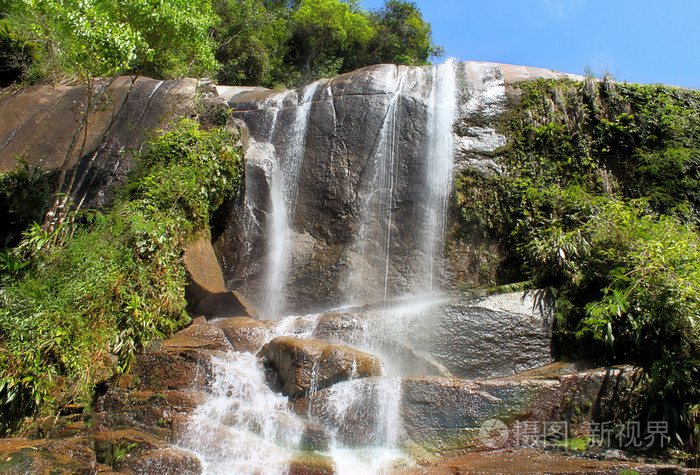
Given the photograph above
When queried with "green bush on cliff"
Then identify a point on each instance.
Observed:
(92, 294)
(600, 205)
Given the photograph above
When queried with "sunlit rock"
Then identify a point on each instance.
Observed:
(309, 365)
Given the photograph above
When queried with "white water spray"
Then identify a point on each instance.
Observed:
(442, 105)
(284, 178)
(245, 427)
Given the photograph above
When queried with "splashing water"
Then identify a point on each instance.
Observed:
(245, 427)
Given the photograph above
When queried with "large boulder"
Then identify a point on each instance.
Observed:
(309, 365)
(244, 333)
(198, 336)
(496, 336)
(206, 291)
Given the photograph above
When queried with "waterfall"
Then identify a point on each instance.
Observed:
(442, 105)
(244, 427)
(386, 195)
(399, 200)
(284, 177)
(375, 228)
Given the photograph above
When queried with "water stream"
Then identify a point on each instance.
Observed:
(246, 427)
(376, 210)
(442, 106)
(284, 178)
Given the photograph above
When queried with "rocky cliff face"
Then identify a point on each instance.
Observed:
(348, 123)
(340, 191)
(47, 126)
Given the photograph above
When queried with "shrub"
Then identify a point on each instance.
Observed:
(599, 204)
(94, 291)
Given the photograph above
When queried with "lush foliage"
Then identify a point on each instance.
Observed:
(402, 36)
(25, 196)
(252, 42)
(600, 205)
(325, 35)
(243, 42)
(91, 38)
(18, 55)
(87, 296)
(273, 43)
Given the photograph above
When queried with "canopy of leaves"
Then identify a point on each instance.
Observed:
(253, 42)
(402, 37)
(92, 38)
(275, 43)
(245, 42)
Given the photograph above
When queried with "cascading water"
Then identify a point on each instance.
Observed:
(284, 177)
(246, 427)
(442, 106)
(375, 221)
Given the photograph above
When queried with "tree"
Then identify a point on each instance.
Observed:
(402, 37)
(98, 38)
(289, 42)
(93, 38)
(326, 32)
(253, 41)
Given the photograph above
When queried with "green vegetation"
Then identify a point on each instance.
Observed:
(276, 43)
(241, 42)
(78, 302)
(25, 196)
(600, 206)
(91, 38)
(18, 55)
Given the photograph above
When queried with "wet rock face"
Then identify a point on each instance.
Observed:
(304, 365)
(364, 412)
(345, 120)
(497, 336)
(353, 122)
(430, 406)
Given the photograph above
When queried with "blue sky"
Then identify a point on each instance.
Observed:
(645, 41)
